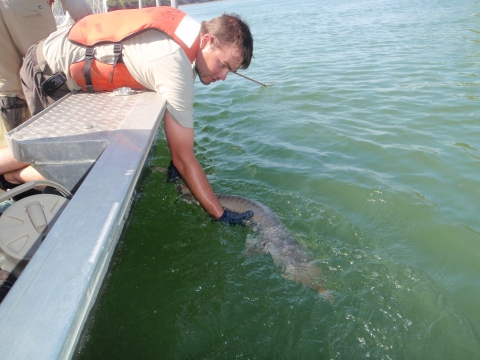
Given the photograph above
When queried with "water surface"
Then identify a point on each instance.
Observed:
(367, 147)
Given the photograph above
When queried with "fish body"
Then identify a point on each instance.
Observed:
(291, 258)
(274, 238)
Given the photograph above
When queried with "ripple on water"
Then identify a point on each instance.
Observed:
(366, 147)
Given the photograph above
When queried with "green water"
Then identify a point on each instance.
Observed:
(367, 148)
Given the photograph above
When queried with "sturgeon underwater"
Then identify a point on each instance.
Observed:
(293, 260)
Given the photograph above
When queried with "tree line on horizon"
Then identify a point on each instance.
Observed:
(133, 4)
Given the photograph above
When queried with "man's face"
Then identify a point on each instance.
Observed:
(214, 63)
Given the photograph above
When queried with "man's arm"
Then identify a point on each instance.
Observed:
(77, 9)
(180, 142)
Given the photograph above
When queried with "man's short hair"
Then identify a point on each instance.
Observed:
(228, 30)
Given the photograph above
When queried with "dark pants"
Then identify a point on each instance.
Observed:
(32, 79)
(14, 111)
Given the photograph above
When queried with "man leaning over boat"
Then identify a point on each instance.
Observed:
(160, 49)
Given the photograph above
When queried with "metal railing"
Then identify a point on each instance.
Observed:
(98, 6)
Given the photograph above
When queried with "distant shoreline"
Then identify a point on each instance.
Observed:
(201, 2)
(198, 3)
(114, 7)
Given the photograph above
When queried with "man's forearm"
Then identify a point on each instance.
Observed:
(77, 8)
(197, 182)
(8, 163)
(180, 142)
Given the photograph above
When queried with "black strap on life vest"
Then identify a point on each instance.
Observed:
(86, 69)
(117, 51)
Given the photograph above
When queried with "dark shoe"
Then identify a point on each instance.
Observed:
(26, 194)
(6, 185)
(6, 282)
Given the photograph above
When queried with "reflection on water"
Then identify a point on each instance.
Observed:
(366, 147)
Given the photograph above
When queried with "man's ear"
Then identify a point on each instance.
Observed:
(205, 40)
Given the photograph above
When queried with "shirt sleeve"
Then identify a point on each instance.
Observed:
(176, 86)
(159, 64)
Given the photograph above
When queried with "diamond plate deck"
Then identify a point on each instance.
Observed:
(63, 141)
(78, 114)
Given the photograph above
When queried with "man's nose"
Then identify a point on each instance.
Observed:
(223, 74)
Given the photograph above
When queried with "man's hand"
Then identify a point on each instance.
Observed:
(233, 219)
(229, 217)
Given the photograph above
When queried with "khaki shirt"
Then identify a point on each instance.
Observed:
(153, 59)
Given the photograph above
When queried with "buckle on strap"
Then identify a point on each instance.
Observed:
(86, 70)
(89, 53)
(11, 102)
(117, 51)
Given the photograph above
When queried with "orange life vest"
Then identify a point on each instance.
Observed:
(113, 27)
